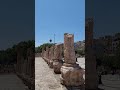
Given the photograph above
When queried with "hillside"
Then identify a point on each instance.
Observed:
(80, 45)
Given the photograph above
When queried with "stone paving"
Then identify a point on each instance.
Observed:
(45, 78)
(11, 82)
(110, 82)
(81, 62)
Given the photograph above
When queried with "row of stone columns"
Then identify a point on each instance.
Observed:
(25, 69)
(57, 60)
(71, 73)
(53, 56)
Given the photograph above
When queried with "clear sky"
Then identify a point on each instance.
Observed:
(59, 17)
(16, 22)
(107, 17)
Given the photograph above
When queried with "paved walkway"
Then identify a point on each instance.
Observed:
(110, 82)
(45, 79)
(81, 62)
(11, 82)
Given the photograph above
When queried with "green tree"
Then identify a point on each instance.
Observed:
(80, 52)
(39, 48)
(9, 55)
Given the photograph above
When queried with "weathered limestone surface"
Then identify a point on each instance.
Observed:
(57, 61)
(19, 61)
(69, 53)
(47, 52)
(91, 73)
(51, 55)
(72, 76)
(42, 52)
(47, 55)
(71, 73)
(31, 62)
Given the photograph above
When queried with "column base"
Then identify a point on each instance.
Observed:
(71, 75)
(57, 66)
(46, 60)
(51, 64)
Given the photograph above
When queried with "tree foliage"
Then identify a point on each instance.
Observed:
(80, 52)
(9, 56)
(110, 61)
(43, 46)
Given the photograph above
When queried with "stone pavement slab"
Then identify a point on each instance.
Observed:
(11, 82)
(45, 79)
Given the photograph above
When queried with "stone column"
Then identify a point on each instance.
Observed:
(71, 73)
(19, 60)
(57, 61)
(90, 57)
(31, 58)
(47, 54)
(29, 66)
(42, 52)
(51, 55)
(18, 63)
(69, 53)
(25, 67)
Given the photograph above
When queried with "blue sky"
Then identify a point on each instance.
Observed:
(59, 17)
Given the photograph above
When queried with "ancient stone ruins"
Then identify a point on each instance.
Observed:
(71, 72)
(25, 68)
